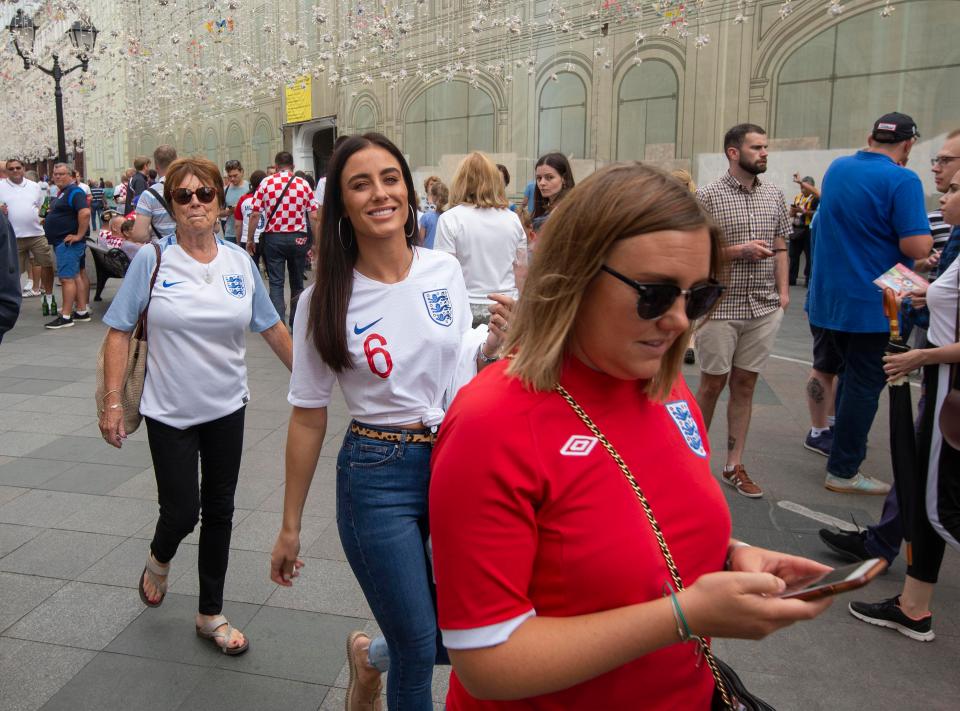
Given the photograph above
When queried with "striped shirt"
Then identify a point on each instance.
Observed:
(758, 213)
(939, 229)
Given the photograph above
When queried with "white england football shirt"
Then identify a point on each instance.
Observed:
(410, 342)
(196, 328)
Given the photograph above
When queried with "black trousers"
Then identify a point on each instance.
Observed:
(184, 499)
(799, 246)
(928, 546)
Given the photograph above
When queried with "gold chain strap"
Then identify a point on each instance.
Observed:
(671, 566)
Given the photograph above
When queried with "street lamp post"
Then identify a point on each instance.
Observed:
(83, 36)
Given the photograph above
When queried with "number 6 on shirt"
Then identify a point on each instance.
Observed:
(370, 349)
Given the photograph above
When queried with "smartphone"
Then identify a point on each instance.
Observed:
(838, 580)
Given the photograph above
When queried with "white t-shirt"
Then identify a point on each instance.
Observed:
(196, 329)
(484, 241)
(321, 189)
(942, 303)
(85, 188)
(23, 206)
(246, 209)
(410, 342)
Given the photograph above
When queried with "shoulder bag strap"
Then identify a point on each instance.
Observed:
(140, 332)
(276, 205)
(664, 550)
(163, 204)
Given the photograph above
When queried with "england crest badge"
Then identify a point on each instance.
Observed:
(438, 306)
(680, 412)
(235, 285)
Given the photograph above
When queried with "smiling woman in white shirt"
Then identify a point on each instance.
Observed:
(206, 293)
(481, 232)
(391, 323)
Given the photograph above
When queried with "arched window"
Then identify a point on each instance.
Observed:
(261, 145)
(189, 144)
(448, 118)
(147, 144)
(563, 116)
(212, 146)
(364, 119)
(837, 84)
(235, 142)
(647, 110)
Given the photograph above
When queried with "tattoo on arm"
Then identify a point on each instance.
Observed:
(815, 390)
(731, 443)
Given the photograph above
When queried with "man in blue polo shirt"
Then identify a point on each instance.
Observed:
(871, 216)
(66, 228)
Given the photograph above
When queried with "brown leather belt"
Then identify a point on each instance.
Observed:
(411, 436)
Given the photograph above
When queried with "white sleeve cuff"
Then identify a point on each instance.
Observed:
(488, 636)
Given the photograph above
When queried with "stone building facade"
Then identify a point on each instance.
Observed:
(815, 79)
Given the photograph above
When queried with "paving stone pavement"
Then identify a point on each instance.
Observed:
(76, 515)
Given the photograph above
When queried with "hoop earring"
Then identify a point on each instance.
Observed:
(413, 227)
(346, 247)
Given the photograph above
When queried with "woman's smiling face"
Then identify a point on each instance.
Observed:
(374, 194)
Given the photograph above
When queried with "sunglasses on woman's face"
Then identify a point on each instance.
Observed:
(656, 299)
(182, 196)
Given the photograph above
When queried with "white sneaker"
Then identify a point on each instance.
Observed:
(857, 484)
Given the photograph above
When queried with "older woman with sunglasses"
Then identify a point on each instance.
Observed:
(552, 582)
(205, 294)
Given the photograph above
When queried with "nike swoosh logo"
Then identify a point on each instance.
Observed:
(358, 330)
(168, 284)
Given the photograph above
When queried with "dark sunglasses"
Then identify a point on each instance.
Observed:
(656, 299)
(182, 196)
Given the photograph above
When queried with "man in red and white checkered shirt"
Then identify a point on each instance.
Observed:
(291, 221)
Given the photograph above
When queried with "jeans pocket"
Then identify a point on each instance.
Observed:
(367, 455)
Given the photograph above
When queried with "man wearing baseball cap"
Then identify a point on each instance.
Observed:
(872, 216)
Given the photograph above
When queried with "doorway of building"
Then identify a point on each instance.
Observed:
(323, 149)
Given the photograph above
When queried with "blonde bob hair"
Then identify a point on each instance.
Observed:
(620, 201)
(478, 182)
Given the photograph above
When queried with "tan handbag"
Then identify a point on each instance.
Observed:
(136, 370)
(950, 409)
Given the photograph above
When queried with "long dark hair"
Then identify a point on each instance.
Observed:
(559, 163)
(337, 253)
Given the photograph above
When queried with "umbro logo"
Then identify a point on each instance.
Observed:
(578, 446)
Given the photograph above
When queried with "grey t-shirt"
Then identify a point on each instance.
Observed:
(233, 195)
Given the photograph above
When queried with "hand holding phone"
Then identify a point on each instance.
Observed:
(837, 581)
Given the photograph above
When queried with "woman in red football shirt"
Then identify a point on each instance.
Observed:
(552, 590)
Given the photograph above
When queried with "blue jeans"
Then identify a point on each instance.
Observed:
(861, 380)
(382, 492)
(280, 249)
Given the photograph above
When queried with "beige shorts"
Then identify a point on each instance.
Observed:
(37, 248)
(745, 343)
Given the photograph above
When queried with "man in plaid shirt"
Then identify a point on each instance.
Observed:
(737, 338)
(292, 217)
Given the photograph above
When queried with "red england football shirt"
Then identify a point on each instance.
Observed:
(529, 515)
(291, 215)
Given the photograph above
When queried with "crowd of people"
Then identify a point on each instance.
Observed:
(513, 378)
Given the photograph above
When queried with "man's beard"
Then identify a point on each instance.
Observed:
(753, 168)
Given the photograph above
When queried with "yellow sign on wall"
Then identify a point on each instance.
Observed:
(299, 97)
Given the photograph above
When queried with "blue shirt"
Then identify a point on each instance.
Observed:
(430, 222)
(868, 205)
(62, 217)
(528, 193)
